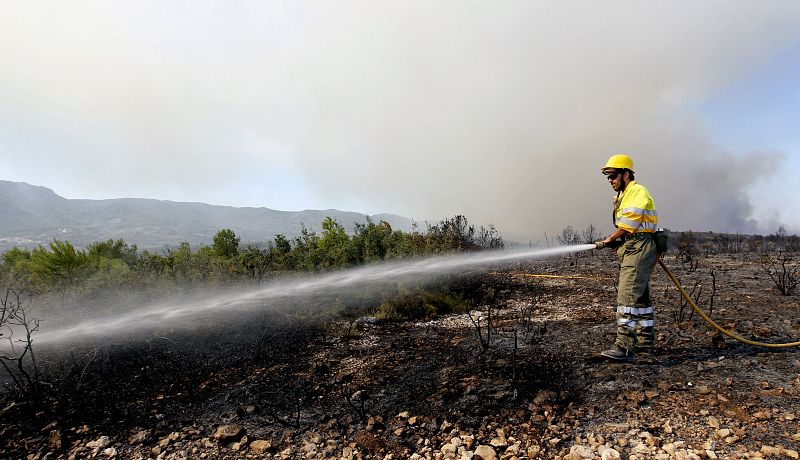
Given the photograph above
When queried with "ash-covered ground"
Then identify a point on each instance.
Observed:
(531, 385)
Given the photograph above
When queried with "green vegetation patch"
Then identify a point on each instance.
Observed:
(420, 305)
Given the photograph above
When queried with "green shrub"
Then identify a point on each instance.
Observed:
(419, 305)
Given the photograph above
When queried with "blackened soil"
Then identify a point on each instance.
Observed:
(394, 388)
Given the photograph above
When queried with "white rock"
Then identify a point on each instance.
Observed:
(486, 452)
(139, 437)
(640, 448)
(498, 442)
(228, 433)
(610, 454)
(607, 453)
(579, 452)
(260, 446)
(513, 449)
(99, 443)
(770, 451)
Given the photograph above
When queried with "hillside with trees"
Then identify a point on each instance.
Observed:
(34, 215)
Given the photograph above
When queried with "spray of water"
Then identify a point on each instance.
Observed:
(176, 313)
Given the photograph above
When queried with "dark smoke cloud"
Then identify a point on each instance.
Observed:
(503, 112)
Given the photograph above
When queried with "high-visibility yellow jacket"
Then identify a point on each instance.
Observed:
(634, 210)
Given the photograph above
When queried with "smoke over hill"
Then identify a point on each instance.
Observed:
(503, 113)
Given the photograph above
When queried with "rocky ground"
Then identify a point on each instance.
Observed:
(530, 386)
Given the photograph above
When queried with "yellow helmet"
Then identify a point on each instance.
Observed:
(618, 162)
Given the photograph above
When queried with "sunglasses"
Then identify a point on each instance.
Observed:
(612, 176)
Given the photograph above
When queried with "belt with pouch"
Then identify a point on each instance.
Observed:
(637, 236)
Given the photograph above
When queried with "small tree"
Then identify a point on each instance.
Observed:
(179, 261)
(333, 244)
(16, 267)
(782, 271)
(151, 266)
(590, 234)
(114, 249)
(490, 238)
(451, 235)
(306, 249)
(793, 243)
(568, 236)
(687, 244)
(254, 262)
(280, 254)
(688, 251)
(226, 243)
(722, 241)
(16, 354)
(370, 242)
(62, 262)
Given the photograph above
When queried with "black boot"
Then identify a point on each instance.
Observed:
(618, 354)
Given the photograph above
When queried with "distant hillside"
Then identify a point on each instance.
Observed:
(33, 215)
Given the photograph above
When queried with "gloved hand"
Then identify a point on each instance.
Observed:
(600, 244)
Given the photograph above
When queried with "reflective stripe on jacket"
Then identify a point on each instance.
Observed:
(634, 210)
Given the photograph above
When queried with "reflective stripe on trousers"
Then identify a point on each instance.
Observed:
(633, 323)
(635, 310)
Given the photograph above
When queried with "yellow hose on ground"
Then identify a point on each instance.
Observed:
(717, 326)
(538, 275)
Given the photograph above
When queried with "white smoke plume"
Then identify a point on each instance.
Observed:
(502, 111)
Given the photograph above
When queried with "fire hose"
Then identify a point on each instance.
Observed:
(716, 326)
(691, 302)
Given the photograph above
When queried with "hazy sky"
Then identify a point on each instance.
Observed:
(502, 111)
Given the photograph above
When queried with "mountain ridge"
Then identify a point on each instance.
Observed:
(34, 215)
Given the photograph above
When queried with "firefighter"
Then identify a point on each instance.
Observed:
(636, 220)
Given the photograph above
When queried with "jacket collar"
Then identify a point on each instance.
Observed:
(628, 187)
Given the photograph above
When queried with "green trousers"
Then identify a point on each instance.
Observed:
(635, 325)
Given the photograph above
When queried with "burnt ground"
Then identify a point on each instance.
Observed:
(536, 388)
